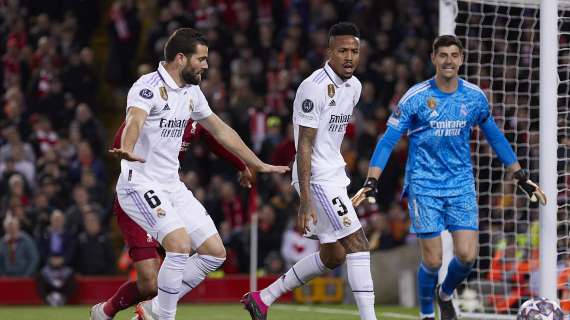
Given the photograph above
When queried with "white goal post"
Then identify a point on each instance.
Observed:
(518, 52)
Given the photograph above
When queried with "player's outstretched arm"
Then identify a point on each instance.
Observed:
(231, 140)
(133, 124)
(503, 149)
(379, 159)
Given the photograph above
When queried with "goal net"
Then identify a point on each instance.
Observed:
(501, 39)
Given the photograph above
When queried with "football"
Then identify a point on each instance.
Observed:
(540, 309)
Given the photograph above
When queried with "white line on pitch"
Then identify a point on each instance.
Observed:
(338, 311)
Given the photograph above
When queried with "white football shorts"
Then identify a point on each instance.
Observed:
(336, 217)
(159, 210)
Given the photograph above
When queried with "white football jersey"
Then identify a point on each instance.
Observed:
(169, 108)
(325, 101)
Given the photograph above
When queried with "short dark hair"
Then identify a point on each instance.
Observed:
(446, 40)
(183, 40)
(344, 29)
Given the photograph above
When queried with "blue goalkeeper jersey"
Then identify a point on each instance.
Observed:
(439, 127)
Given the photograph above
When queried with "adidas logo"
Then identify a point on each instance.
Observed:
(166, 107)
(332, 103)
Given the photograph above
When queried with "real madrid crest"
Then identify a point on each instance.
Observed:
(191, 105)
(346, 221)
(160, 212)
(431, 102)
(163, 93)
(330, 90)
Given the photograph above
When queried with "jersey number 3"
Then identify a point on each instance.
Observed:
(338, 203)
(152, 200)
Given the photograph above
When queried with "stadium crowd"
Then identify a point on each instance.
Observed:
(56, 178)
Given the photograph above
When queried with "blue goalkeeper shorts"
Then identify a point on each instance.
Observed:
(431, 215)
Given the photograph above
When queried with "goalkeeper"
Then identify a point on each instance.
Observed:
(438, 116)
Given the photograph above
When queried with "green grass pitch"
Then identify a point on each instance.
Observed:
(214, 312)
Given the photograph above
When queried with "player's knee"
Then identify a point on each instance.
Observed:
(179, 246)
(148, 287)
(334, 260)
(219, 252)
(467, 257)
(433, 263)
(177, 241)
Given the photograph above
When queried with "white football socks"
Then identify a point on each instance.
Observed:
(169, 283)
(197, 268)
(302, 272)
(360, 280)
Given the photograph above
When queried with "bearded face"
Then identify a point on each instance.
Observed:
(191, 75)
(195, 66)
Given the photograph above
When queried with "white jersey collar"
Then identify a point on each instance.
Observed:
(338, 81)
(166, 76)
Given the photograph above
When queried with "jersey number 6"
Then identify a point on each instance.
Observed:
(338, 202)
(152, 200)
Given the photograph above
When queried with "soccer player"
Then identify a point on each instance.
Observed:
(142, 248)
(149, 190)
(438, 116)
(321, 111)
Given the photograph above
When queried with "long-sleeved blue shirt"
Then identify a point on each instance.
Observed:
(439, 127)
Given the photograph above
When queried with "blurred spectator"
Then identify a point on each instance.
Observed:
(43, 137)
(124, 31)
(86, 162)
(272, 138)
(284, 153)
(40, 213)
(52, 189)
(56, 281)
(16, 192)
(17, 162)
(56, 240)
(269, 233)
(75, 214)
(94, 255)
(90, 128)
(14, 140)
(17, 210)
(18, 253)
(79, 77)
(231, 206)
(273, 263)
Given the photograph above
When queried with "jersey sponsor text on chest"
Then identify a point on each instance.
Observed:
(447, 128)
(173, 128)
(338, 123)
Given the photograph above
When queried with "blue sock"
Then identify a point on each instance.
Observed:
(427, 280)
(456, 272)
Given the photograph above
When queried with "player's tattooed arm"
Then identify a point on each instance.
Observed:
(355, 242)
(133, 125)
(304, 151)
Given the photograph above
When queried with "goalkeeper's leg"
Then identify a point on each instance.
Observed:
(431, 249)
(466, 246)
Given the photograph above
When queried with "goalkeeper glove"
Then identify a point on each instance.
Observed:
(368, 191)
(530, 189)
